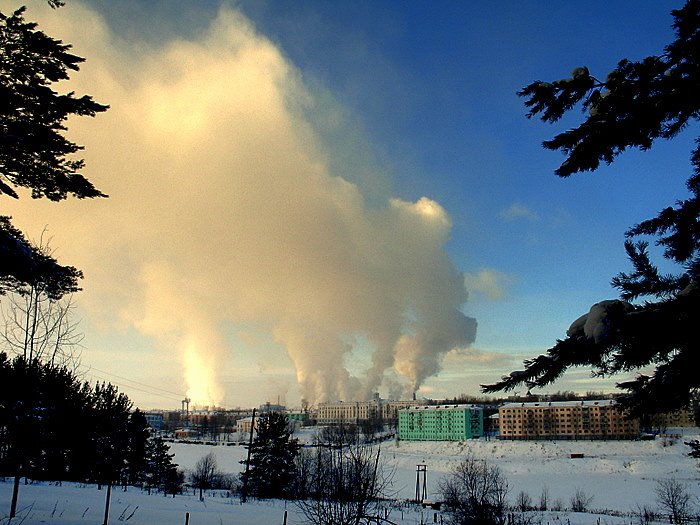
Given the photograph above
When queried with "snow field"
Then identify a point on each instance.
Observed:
(620, 475)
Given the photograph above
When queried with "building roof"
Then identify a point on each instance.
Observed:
(585, 403)
(440, 407)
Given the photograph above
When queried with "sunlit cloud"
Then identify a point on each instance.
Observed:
(224, 210)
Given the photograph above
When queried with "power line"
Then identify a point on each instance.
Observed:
(148, 390)
(131, 387)
(179, 395)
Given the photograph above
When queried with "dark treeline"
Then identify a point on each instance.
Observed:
(559, 395)
(55, 427)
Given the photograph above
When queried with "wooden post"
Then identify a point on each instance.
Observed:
(187, 518)
(285, 518)
(109, 495)
(15, 492)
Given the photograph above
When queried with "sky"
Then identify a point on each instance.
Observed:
(319, 200)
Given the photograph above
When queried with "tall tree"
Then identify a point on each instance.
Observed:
(34, 153)
(655, 321)
(21, 406)
(110, 414)
(37, 401)
(36, 325)
(110, 432)
(137, 436)
(272, 453)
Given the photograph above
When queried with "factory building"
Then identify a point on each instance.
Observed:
(353, 412)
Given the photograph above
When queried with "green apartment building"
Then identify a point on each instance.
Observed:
(441, 423)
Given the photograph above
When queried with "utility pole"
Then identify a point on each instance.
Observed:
(421, 495)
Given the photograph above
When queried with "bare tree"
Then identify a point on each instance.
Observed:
(544, 498)
(342, 485)
(475, 492)
(673, 497)
(580, 501)
(37, 325)
(205, 474)
(523, 501)
(340, 434)
(645, 515)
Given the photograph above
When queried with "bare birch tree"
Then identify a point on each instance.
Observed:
(39, 326)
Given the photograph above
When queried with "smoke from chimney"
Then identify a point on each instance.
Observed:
(225, 212)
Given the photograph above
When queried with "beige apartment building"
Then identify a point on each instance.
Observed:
(683, 417)
(595, 419)
(356, 411)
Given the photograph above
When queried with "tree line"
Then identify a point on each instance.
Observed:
(55, 427)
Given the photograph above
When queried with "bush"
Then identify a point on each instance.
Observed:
(475, 492)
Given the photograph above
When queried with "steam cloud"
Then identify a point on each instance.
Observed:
(223, 211)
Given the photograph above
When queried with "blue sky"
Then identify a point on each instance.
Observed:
(409, 100)
(433, 85)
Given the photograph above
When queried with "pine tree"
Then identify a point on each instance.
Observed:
(636, 104)
(34, 153)
(110, 418)
(161, 472)
(21, 402)
(137, 448)
(36, 401)
(272, 467)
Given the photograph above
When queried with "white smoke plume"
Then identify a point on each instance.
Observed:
(223, 211)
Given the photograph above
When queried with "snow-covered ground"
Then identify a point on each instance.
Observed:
(620, 475)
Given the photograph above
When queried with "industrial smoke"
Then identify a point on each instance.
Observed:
(226, 221)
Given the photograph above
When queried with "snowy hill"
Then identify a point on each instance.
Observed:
(620, 475)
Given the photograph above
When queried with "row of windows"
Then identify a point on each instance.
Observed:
(556, 410)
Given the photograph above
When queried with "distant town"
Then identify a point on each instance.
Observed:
(558, 416)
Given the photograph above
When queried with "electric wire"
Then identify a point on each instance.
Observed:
(180, 395)
(148, 390)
